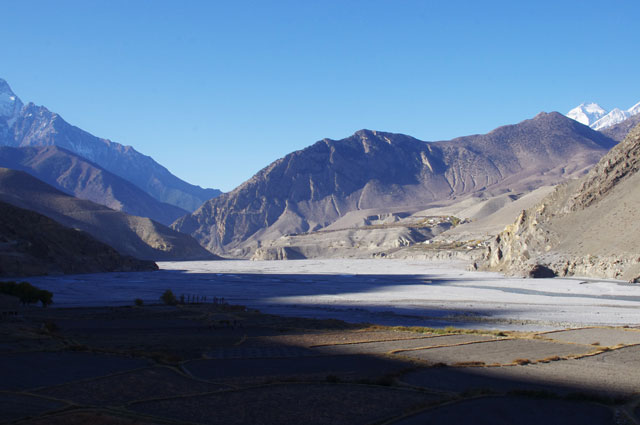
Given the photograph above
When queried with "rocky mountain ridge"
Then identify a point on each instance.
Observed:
(311, 188)
(83, 179)
(32, 125)
(32, 244)
(586, 227)
(138, 237)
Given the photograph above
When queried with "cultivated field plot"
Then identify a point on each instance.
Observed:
(90, 417)
(39, 369)
(384, 347)
(596, 336)
(315, 339)
(502, 352)
(254, 368)
(118, 389)
(513, 410)
(266, 369)
(314, 404)
(16, 406)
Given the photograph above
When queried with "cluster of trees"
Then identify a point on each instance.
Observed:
(170, 299)
(26, 292)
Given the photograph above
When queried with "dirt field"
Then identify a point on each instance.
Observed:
(220, 364)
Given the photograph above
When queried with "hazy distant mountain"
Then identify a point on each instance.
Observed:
(309, 189)
(587, 227)
(32, 244)
(594, 116)
(33, 125)
(85, 180)
(138, 237)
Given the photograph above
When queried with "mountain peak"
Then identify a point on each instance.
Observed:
(10, 104)
(587, 113)
(594, 116)
(616, 116)
(365, 133)
(635, 109)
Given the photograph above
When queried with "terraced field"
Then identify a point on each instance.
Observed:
(220, 364)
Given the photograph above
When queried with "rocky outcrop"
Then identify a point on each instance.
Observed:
(310, 189)
(277, 253)
(32, 244)
(131, 235)
(585, 227)
(83, 179)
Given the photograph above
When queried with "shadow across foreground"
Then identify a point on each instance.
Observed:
(221, 364)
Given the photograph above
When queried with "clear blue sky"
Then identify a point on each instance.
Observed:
(217, 90)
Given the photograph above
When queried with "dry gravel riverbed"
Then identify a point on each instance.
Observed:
(387, 292)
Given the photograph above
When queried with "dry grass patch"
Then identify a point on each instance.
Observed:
(449, 330)
(522, 362)
(469, 364)
(551, 359)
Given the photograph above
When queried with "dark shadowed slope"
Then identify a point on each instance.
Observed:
(85, 180)
(130, 235)
(33, 125)
(32, 244)
(309, 189)
(590, 226)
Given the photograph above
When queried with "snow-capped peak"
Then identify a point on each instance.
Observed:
(612, 118)
(587, 113)
(594, 116)
(635, 109)
(10, 104)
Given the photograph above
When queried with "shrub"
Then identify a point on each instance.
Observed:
(138, 302)
(168, 298)
(27, 293)
(469, 364)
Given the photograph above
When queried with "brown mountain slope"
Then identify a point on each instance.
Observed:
(309, 189)
(590, 226)
(85, 180)
(130, 235)
(32, 244)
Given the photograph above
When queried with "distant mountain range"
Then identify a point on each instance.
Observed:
(30, 125)
(596, 117)
(138, 237)
(309, 189)
(305, 191)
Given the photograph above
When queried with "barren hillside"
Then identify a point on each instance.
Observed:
(589, 226)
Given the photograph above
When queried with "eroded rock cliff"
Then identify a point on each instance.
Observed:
(588, 227)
